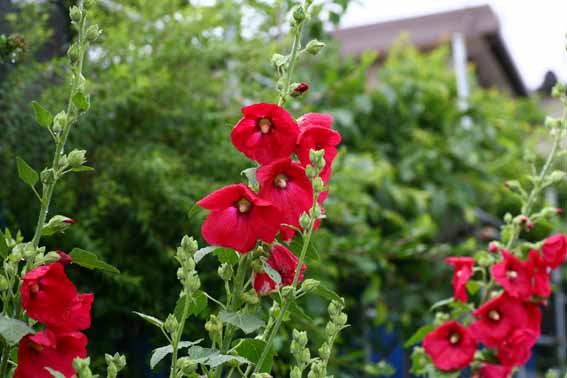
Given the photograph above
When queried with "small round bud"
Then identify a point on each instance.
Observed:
(60, 122)
(309, 285)
(558, 90)
(4, 285)
(310, 171)
(318, 185)
(74, 53)
(75, 13)
(171, 323)
(304, 220)
(493, 247)
(194, 282)
(76, 158)
(189, 244)
(314, 47)
(331, 329)
(93, 32)
(298, 89)
(299, 14)
(288, 292)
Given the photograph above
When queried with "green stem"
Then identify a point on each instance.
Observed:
(180, 329)
(5, 359)
(294, 50)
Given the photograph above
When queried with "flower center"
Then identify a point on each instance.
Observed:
(281, 181)
(512, 274)
(455, 338)
(265, 125)
(34, 288)
(494, 315)
(244, 205)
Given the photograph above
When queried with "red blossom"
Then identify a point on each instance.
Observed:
(450, 346)
(516, 349)
(316, 134)
(285, 184)
(49, 349)
(263, 284)
(239, 218)
(513, 275)
(266, 133)
(285, 263)
(497, 318)
(554, 250)
(493, 371)
(463, 270)
(540, 275)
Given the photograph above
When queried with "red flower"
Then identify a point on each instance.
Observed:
(266, 133)
(540, 273)
(239, 218)
(554, 250)
(285, 184)
(48, 349)
(516, 349)
(497, 318)
(463, 270)
(513, 275)
(285, 263)
(316, 134)
(493, 371)
(451, 346)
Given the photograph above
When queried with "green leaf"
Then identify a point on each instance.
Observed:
(204, 252)
(159, 354)
(212, 357)
(312, 250)
(251, 349)
(42, 115)
(150, 319)
(327, 293)
(274, 274)
(250, 174)
(198, 303)
(83, 168)
(299, 312)
(4, 251)
(12, 330)
(441, 303)
(246, 322)
(54, 373)
(227, 256)
(26, 173)
(419, 335)
(473, 287)
(89, 260)
(81, 101)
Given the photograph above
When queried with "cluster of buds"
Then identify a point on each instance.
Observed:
(114, 364)
(186, 367)
(83, 367)
(300, 353)
(186, 272)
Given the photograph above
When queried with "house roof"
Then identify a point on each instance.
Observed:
(477, 24)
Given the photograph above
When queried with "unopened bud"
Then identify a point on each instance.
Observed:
(189, 244)
(493, 247)
(250, 297)
(56, 224)
(288, 292)
(76, 158)
(51, 257)
(314, 47)
(278, 60)
(552, 122)
(89, 3)
(310, 171)
(309, 285)
(325, 351)
(60, 122)
(74, 53)
(298, 89)
(171, 323)
(194, 282)
(318, 185)
(299, 14)
(304, 220)
(557, 176)
(4, 285)
(75, 13)
(331, 329)
(93, 32)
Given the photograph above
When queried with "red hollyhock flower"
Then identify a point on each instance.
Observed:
(285, 263)
(534, 317)
(266, 133)
(451, 346)
(540, 273)
(285, 184)
(554, 250)
(513, 275)
(463, 270)
(497, 318)
(516, 349)
(48, 349)
(493, 371)
(316, 134)
(239, 218)
(46, 293)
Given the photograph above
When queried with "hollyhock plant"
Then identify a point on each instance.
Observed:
(266, 132)
(238, 218)
(554, 250)
(463, 270)
(283, 261)
(513, 275)
(47, 349)
(285, 184)
(451, 346)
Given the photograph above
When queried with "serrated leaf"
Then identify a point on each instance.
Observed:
(81, 101)
(4, 251)
(42, 115)
(327, 293)
(227, 256)
(90, 260)
(274, 274)
(159, 354)
(204, 252)
(246, 322)
(251, 349)
(419, 335)
(83, 168)
(26, 173)
(198, 303)
(12, 330)
(150, 319)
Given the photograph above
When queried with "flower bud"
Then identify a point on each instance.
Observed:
(493, 247)
(250, 297)
(57, 223)
(552, 122)
(325, 351)
(60, 122)
(314, 46)
(225, 272)
(331, 329)
(310, 171)
(50, 257)
(75, 13)
(194, 282)
(76, 158)
(288, 292)
(304, 220)
(171, 323)
(63, 162)
(74, 53)
(275, 310)
(89, 3)
(508, 218)
(299, 14)
(4, 285)
(295, 372)
(309, 285)
(93, 32)
(298, 89)
(318, 185)
(189, 244)
(278, 61)
(316, 212)
(557, 176)
(187, 365)
(342, 319)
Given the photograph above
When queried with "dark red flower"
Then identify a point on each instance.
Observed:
(266, 133)
(463, 270)
(49, 349)
(285, 185)
(64, 258)
(534, 316)
(316, 134)
(450, 346)
(285, 263)
(540, 275)
(497, 318)
(299, 89)
(239, 218)
(493, 371)
(516, 349)
(554, 250)
(513, 275)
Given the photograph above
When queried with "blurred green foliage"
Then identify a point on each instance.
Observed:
(413, 182)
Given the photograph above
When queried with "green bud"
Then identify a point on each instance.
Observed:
(342, 319)
(187, 365)
(440, 318)
(552, 123)
(288, 292)
(63, 162)
(250, 297)
(275, 310)
(508, 218)
(557, 176)
(51, 257)
(89, 4)
(310, 285)
(335, 308)
(194, 282)
(314, 47)
(189, 244)
(58, 223)
(279, 60)
(304, 220)
(300, 338)
(60, 122)
(74, 53)
(318, 185)
(325, 351)
(4, 285)
(93, 32)
(77, 158)
(331, 329)
(298, 14)
(75, 13)
(316, 212)
(225, 272)
(295, 372)
(558, 90)
(171, 323)
(310, 172)
(257, 266)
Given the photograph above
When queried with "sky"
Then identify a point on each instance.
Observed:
(534, 31)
